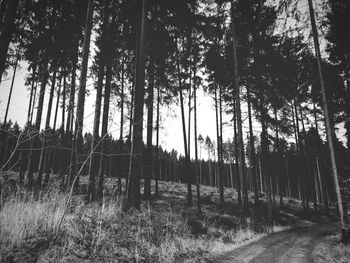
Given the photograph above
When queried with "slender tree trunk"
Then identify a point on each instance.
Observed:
(49, 107)
(329, 128)
(70, 117)
(189, 114)
(122, 99)
(104, 132)
(318, 167)
(198, 174)
(78, 133)
(42, 91)
(94, 160)
(31, 98)
(33, 155)
(34, 101)
(239, 190)
(4, 144)
(188, 174)
(11, 89)
(6, 29)
(241, 159)
(64, 100)
(148, 169)
(57, 103)
(279, 172)
(132, 91)
(157, 143)
(44, 152)
(137, 143)
(252, 149)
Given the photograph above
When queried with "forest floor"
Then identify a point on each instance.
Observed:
(164, 230)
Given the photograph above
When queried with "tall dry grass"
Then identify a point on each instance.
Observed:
(104, 233)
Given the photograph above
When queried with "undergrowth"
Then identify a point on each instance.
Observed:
(102, 232)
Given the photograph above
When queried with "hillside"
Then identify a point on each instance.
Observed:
(164, 230)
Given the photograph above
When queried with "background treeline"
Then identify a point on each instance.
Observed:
(263, 56)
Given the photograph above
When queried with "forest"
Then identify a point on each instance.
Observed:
(278, 70)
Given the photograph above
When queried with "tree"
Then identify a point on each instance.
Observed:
(6, 30)
(329, 129)
(241, 157)
(133, 193)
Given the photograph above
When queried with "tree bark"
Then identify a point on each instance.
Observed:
(187, 158)
(49, 107)
(57, 102)
(199, 211)
(252, 149)
(98, 101)
(104, 131)
(42, 91)
(157, 143)
(137, 143)
(241, 158)
(148, 169)
(83, 76)
(70, 117)
(31, 98)
(329, 128)
(7, 28)
(11, 89)
(78, 132)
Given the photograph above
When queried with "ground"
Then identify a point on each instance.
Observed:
(56, 229)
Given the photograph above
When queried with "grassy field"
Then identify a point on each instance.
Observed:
(50, 229)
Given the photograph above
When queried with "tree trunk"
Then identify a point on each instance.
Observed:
(239, 190)
(218, 133)
(31, 98)
(94, 160)
(148, 169)
(157, 143)
(11, 89)
(329, 128)
(198, 177)
(241, 158)
(122, 99)
(33, 155)
(42, 91)
(83, 76)
(137, 129)
(189, 113)
(7, 27)
(104, 131)
(49, 107)
(187, 158)
(57, 102)
(64, 100)
(70, 117)
(78, 132)
(34, 100)
(252, 149)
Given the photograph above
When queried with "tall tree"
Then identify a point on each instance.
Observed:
(241, 157)
(133, 193)
(329, 129)
(6, 30)
(78, 137)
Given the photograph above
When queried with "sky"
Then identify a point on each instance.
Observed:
(171, 125)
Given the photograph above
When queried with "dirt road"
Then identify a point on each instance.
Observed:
(295, 245)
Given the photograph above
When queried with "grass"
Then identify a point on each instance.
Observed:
(330, 250)
(164, 230)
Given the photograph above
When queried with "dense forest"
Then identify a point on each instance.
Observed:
(282, 66)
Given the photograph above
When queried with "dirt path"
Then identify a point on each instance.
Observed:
(295, 245)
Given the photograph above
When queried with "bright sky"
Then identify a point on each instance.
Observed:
(171, 132)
